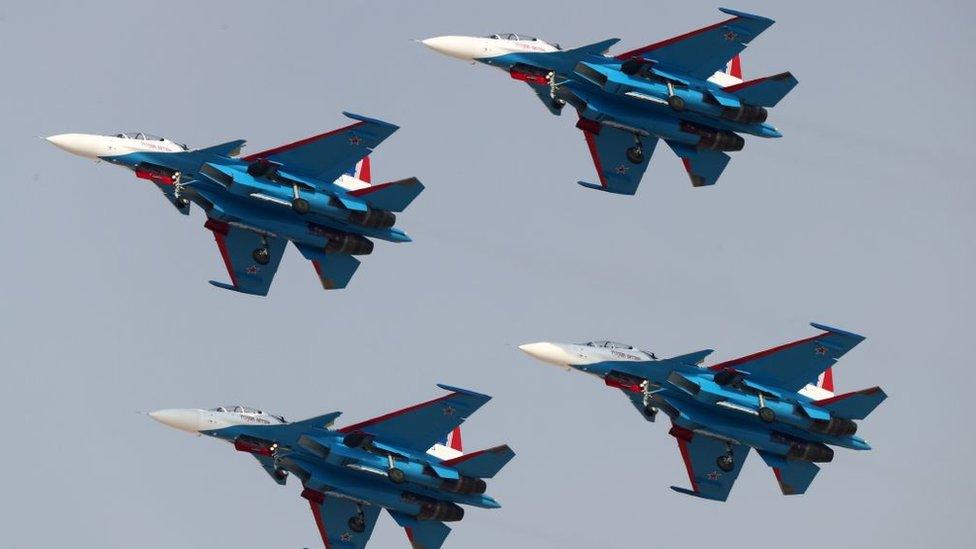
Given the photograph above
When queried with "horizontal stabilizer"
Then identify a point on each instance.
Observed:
(394, 196)
(766, 91)
(230, 148)
(427, 534)
(334, 270)
(484, 463)
(854, 405)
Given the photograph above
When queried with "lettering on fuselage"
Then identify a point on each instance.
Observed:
(621, 354)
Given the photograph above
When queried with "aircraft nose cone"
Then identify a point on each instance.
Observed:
(184, 420)
(74, 143)
(460, 47)
(548, 352)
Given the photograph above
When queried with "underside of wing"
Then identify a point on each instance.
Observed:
(793, 365)
(619, 158)
(420, 426)
(793, 476)
(343, 524)
(250, 271)
(327, 156)
(700, 53)
(710, 471)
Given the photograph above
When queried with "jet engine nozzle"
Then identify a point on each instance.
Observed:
(440, 510)
(465, 485)
(375, 219)
(714, 140)
(810, 451)
(342, 243)
(746, 114)
(835, 427)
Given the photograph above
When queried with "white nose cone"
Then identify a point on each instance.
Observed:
(553, 353)
(88, 146)
(184, 420)
(466, 48)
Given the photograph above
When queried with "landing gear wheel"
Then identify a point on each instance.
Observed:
(300, 205)
(725, 462)
(676, 103)
(357, 524)
(767, 414)
(182, 203)
(557, 104)
(261, 255)
(396, 475)
(635, 154)
(650, 412)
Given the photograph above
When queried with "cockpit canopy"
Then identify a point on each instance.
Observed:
(241, 409)
(512, 36)
(139, 135)
(608, 345)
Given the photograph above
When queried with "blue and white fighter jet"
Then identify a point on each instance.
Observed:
(316, 193)
(779, 401)
(686, 90)
(409, 462)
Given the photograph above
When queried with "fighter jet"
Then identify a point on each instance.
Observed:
(409, 462)
(316, 193)
(779, 401)
(687, 90)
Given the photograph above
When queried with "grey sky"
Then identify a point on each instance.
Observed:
(859, 217)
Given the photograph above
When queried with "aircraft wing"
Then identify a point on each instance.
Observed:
(236, 248)
(793, 476)
(700, 454)
(700, 53)
(334, 270)
(608, 147)
(421, 426)
(334, 517)
(793, 365)
(327, 156)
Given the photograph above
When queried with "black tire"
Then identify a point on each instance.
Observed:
(635, 154)
(182, 203)
(676, 103)
(262, 256)
(650, 412)
(767, 414)
(280, 473)
(396, 475)
(301, 206)
(357, 524)
(725, 462)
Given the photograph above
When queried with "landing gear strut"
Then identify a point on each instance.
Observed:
(766, 414)
(358, 523)
(299, 204)
(396, 475)
(262, 255)
(726, 461)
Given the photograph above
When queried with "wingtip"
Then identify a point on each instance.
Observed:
(463, 391)
(362, 118)
(745, 15)
(224, 286)
(830, 329)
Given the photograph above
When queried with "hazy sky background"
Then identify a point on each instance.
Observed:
(860, 217)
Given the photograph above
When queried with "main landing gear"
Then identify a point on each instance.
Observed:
(765, 413)
(726, 461)
(262, 255)
(358, 523)
(395, 475)
(299, 204)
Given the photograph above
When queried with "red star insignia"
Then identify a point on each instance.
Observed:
(253, 269)
(355, 140)
(730, 36)
(714, 475)
(820, 350)
(621, 169)
(448, 411)
(346, 537)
